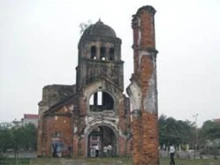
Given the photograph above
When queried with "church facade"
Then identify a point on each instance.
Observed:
(73, 119)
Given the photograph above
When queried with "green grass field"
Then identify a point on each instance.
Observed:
(191, 162)
(101, 161)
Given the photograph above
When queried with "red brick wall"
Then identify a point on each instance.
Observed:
(150, 139)
(60, 121)
(144, 127)
(75, 145)
(124, 146)
(146, 71)
(147, 30)
(61, 124)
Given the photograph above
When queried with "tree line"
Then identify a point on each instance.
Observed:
(18, 138)
(181, 133)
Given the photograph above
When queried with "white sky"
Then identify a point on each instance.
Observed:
(38, 46)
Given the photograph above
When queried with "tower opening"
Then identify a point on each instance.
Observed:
(102, 53)
(93, 52)
(101, 101)
(111, 54)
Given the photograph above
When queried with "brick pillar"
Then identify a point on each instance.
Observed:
(143, 89)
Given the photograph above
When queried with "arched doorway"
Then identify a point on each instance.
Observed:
(103, 137)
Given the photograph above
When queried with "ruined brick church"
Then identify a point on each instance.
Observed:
(94, 110)
(75, 119)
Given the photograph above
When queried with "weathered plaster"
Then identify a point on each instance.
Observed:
(135, 94)
(150, 100)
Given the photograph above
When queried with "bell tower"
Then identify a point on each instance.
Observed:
(102, 110)
(99, 56)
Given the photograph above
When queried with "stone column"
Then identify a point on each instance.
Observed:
(143, 90)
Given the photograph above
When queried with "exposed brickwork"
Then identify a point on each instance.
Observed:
(54, 124)
(62, 124)
(143, 90)
(136, 141)
(146, 70)
(147, 30)
(75, 145)
(150, 153)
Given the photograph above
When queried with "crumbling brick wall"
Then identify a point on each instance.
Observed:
(143, 89)
(60, 124)
(52, 122)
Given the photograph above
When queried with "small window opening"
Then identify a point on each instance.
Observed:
(102, 53)
(93, 52)
(111, 54)
(56, 134)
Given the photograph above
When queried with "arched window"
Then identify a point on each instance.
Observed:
(102, 53)
(111, 54)
(93, 52)
(101, 101)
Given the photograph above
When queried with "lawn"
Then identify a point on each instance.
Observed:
(191, 162)
(102, 161)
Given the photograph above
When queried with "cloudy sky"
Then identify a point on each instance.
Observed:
(38, 46)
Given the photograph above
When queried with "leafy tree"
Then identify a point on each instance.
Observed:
(211, 130)
(18, 138)
(209, 137)
(174, 131)
(30, 140)
(4, 139)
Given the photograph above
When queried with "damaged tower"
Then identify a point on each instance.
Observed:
(143, 89)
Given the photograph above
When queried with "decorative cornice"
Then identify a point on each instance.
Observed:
(148, 49)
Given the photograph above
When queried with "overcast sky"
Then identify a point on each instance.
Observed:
(38, 46)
